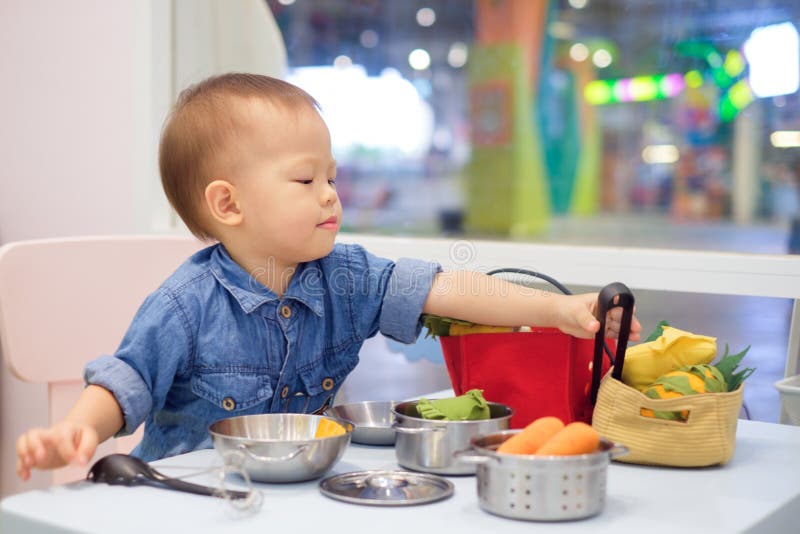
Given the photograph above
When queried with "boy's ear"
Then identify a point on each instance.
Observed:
(222, 203)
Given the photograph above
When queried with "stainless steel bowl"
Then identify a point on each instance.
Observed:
(279, 447)
(372, 419)
(539, 488)
(428, 444)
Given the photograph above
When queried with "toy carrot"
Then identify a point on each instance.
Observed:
(532, 436)
(575, 438)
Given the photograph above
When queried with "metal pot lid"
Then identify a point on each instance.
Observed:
(386, 488)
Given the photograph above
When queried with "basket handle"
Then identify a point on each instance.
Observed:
(620, 293)
(561, 287)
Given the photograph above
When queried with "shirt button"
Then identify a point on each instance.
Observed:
(228, 403)
(286, 311)
(327, 384)
(284, 392)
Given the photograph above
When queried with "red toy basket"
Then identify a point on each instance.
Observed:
(539, 373)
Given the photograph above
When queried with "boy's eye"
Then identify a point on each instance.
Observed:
(332, 181)
(305, 182)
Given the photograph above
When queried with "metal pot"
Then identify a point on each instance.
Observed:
(541, 488)
(428, 444)
(279, 447)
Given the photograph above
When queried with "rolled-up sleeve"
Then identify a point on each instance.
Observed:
(127, 386)
(409, 284)
(380, 295)
(141, 371)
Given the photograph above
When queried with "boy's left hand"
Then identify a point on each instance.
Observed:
(578, 318)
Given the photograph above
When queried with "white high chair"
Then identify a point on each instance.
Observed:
(66, 301)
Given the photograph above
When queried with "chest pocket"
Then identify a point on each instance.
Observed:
(232, 392)
(323, 377)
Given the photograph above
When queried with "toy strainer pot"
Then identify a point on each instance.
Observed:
(539, 488)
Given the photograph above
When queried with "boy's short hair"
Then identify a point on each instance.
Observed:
(197, 130)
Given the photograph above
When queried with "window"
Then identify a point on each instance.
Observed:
(647, 123)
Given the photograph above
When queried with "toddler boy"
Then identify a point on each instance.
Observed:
(271, 317)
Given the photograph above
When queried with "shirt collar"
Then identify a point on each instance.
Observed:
(305, 287)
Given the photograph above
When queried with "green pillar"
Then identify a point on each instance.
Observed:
(506, 190)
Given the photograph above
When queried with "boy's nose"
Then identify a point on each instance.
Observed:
(328, 196)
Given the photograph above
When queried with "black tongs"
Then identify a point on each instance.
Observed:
(611, 296)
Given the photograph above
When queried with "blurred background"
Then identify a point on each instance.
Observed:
(628, 122)
(654, 122)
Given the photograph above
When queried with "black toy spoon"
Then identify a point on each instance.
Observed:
(126, 470)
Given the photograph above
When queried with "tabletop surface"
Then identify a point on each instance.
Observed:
(758, 490)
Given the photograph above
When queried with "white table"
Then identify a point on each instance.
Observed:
(758, 491)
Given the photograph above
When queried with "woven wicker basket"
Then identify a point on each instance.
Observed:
(707, 437)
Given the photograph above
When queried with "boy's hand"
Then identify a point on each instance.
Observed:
(48, 448)
(577, 318)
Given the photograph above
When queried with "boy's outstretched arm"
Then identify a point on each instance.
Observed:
(489, 300)
(94, 418)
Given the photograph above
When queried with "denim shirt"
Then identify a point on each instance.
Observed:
(212, 343)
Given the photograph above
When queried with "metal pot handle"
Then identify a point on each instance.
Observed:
(422, 430)
(269, 459)
(470, 456)
(618, 450)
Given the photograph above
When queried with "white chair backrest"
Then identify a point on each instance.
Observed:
(66, 301)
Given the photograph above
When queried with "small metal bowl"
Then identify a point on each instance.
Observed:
(372, 421)
(279, 447)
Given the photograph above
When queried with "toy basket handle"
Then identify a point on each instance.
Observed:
(561, 287)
